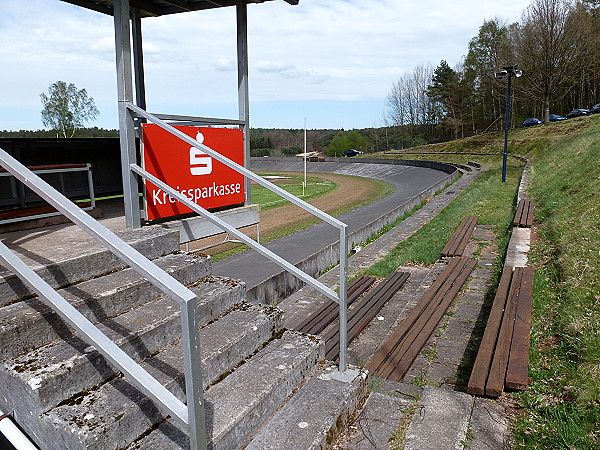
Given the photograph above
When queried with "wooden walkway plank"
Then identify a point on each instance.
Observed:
(518, 361)
(495, 382)
(483, 361)
(410, 319)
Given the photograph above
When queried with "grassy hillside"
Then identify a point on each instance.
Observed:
(561, 409)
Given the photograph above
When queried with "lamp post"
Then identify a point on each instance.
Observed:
(508, 71)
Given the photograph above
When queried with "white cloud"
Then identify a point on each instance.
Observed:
(320, 50)
(225, 65)
(273, 66)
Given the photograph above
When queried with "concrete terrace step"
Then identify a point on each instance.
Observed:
(442, 422)
(29, 324)
(40, 379)
(115, 413)
(239, 404)
(316, 414)
(64, 260)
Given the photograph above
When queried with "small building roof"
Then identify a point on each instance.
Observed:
(154, 8)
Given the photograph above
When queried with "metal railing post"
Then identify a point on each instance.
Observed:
(343, 298)
(91, 185)
(194, 387)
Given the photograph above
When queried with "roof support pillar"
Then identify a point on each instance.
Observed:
(138, 59)
(243, 95)
(126, 125)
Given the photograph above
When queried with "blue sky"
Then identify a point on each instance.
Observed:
(329, 61)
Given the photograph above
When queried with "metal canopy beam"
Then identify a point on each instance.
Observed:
(153, 8)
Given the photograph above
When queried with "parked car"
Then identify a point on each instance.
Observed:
(351, 152)
(578, 112)
(531, 122)
(595, 109)
(556, 118)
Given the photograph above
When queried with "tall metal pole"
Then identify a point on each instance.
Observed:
(506, 123)
(304, 184)
(243, 95)
(126, 126)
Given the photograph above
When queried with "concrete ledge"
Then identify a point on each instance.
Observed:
(199, 227)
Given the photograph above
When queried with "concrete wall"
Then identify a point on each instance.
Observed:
(283, 283)
(103, 153)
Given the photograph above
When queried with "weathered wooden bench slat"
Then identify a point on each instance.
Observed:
(410, 319)
(321, 318)
(364, 311)
(431, 324)
(524, 214)
(529, 217)
(483, 361)
(460, 238)
(495, 382)
(394, 357)
(518, 361)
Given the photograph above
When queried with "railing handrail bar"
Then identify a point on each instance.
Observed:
(101, 234)
(208, 120)
(239, 235)
(93, 336)
(241, 169)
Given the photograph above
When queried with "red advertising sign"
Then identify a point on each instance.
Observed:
(190, 171)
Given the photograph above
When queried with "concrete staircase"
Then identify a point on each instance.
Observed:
(264, 386)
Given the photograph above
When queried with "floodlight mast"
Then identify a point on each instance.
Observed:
(508, 71)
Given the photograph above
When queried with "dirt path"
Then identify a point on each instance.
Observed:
(349, 191)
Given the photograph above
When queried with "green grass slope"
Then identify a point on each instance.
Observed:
(561, 408)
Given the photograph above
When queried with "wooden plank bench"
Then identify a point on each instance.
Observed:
(395, 356)
(503, 357)
(325, 315)
(364, 311)
(458, 242)
(524, 214)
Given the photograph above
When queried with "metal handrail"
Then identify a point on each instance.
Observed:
(190, 415)
(342, 227)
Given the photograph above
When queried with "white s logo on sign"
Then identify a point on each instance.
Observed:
(200, 162)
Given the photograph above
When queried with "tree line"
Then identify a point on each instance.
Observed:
(556, 45)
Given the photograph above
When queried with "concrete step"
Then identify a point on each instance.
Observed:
(316, 414)
(70, 262)
(42, 378)
(442, 421)
(240, 403)
(113, 414)
(377, 422)
(30, 324)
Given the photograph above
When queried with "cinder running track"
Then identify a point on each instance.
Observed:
(297, 247)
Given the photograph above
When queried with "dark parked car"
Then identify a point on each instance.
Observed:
(595, 109)
(578, 113)
(351, 152)
(531, 122)
(556, 118)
